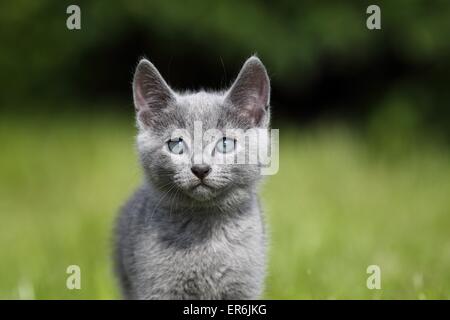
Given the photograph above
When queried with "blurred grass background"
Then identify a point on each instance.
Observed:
(364, 125)
(336, 206)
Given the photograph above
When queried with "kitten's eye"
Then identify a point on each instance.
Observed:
(225, 145)
(176, 145)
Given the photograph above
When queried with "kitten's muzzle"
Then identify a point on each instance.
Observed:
(201, 170)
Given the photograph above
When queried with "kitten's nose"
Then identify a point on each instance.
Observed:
(201, 170)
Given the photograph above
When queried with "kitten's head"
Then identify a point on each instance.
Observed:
(186, 140)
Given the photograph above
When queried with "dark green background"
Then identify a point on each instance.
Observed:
(322, 59)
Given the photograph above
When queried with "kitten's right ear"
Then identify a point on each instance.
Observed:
(150, 91)
(250, 93)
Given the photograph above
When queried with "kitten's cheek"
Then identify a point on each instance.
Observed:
(222, 159)
(179, 159)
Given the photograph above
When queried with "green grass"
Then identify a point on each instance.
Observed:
(337, 205)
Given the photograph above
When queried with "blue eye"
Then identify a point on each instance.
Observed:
(176, 145)
(225, 145)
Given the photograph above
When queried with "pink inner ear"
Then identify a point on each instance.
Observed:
(256, 103)
(150, 91)
(251, 90)
(254, 112)
(263, 95)
(139, 102)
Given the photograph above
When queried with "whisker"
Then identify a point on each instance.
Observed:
(160, 201)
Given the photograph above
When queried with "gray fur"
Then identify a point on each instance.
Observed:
(176, 239)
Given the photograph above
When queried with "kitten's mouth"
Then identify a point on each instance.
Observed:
(203, 188)
(202, 184)
(202, 191)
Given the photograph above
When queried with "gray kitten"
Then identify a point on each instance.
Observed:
(194, 230)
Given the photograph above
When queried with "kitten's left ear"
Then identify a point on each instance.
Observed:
(150, 90)
(250, 93)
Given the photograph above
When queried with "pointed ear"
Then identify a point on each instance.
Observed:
(250, 93)
(150, 91)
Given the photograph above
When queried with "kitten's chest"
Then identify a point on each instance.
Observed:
(211, 235)
(204, 243)
(203, 259)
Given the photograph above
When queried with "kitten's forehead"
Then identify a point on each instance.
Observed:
(201, 106)
(205, 108)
